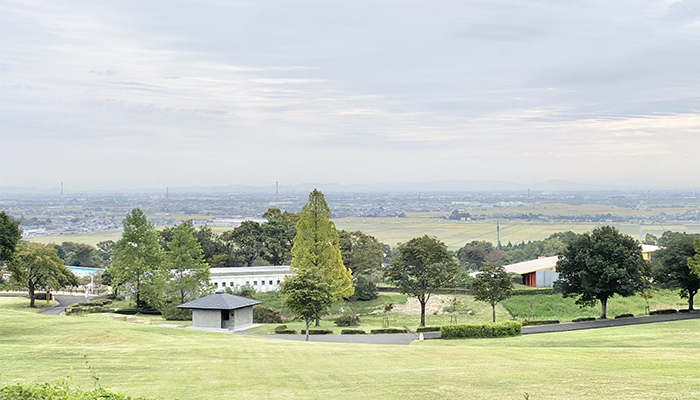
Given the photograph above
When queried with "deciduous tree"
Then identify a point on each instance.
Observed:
(600, 264)
(362, 253)
(423, 264)
(138, 259)
(307, 294)
(493, 285)
(10, 234)
(245, 243)
(670, 266)
(694, 261)
(37, 266)
(278, 236)
(189, 273)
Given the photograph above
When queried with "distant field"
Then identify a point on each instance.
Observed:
(654, 361)
(456, 233)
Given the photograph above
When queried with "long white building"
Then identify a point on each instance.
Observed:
(262, 279)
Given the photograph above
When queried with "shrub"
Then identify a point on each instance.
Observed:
(353, 332)
(583, 319)
(59, 390)
(318, 331)
(388, 330)
(364, 289)
(172, 313)
(347, 320)
(685, 310)
(666, 311)
(82, 309)
(490, 330)
(127, 311)
(428, 329)
(286, 332)
(541, 322)
(624, 316)
(266, 315)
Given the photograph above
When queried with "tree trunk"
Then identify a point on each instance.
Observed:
(318, 322)
(30, 289)
(307, 329)
(691, 294)
(493, 311)
(604, 307)
(422, 311)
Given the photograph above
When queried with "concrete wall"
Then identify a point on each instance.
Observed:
(546, 278)
(243, 316)
(206, 318)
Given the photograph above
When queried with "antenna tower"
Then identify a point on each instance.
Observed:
(277, 192)
(498, 235)
(61, 197)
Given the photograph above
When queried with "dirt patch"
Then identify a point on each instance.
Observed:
(435, 304)
(125, 318)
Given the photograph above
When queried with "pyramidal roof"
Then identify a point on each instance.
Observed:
(219, 301)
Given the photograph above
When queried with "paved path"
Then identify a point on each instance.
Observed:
(63, 302)
(608, 323)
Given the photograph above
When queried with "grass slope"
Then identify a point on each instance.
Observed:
(659, 361)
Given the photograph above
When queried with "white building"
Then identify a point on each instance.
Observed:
(262, 279)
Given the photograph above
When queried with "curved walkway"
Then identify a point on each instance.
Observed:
(63, 302)
(608, 323)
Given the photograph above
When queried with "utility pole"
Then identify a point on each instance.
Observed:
(498, 235)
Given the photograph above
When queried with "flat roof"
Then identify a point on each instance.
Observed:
(219, 301)
(266, 269)
(648, 248)
(533, 265)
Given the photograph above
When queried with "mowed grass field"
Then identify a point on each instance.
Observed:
(655, 361)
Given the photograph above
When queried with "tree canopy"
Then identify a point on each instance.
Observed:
(423, 264)
(10, 234)
(362, 253)
(670, 266)
(597, 265)
(37, 266)
(138, 258)
(185, 262)
(493, 284)
(307, 294)
(316, 246)
(278, 236)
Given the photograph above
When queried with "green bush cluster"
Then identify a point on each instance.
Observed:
(266, 315)
(388, 330)
(283, 330)
(624, 316)
(347, 320)
(583, 319)
(541, 322)
(318, 331)
(82, 309)
(428, 329)
(490, 330)
(665, 311)
(60, 390)
(173, 313)
(353, 332)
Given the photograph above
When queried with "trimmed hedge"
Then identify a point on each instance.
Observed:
(541, 322)
(318, 331)
(583, 319)
(490, 330)
(81, 309)
(353, 332)
(624, 316)
(428, 329)
(126, 311)
(685, 310)
(666, 311)
(286, 332)
(387, 330)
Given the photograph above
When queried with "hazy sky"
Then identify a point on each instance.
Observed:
(128, 94)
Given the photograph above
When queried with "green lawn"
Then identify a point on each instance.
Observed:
(564, 309)
(656, 361)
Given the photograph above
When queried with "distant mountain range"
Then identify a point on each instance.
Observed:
(434, 186)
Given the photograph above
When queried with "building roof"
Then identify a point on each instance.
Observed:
(267, 269)
(648, 248)
(219, 301)
(533, 265)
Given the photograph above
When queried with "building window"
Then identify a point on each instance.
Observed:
(255, 283)
(262, 283)
(247, 283)
(230, 284)
(223, 284)
(278, 281)
(270, 282)
(216, 284)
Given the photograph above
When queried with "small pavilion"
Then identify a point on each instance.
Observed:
(221, 311)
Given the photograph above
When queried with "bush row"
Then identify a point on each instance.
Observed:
(666, 311)
(583, 319)
(540, 322)
(388, 330)
(428, 329)
(80, 309)
(490, 330)
(352, 332)
(624, 316)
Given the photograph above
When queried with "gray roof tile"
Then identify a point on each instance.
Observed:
(219, 301)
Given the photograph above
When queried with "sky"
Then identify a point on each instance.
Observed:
(134, 94)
